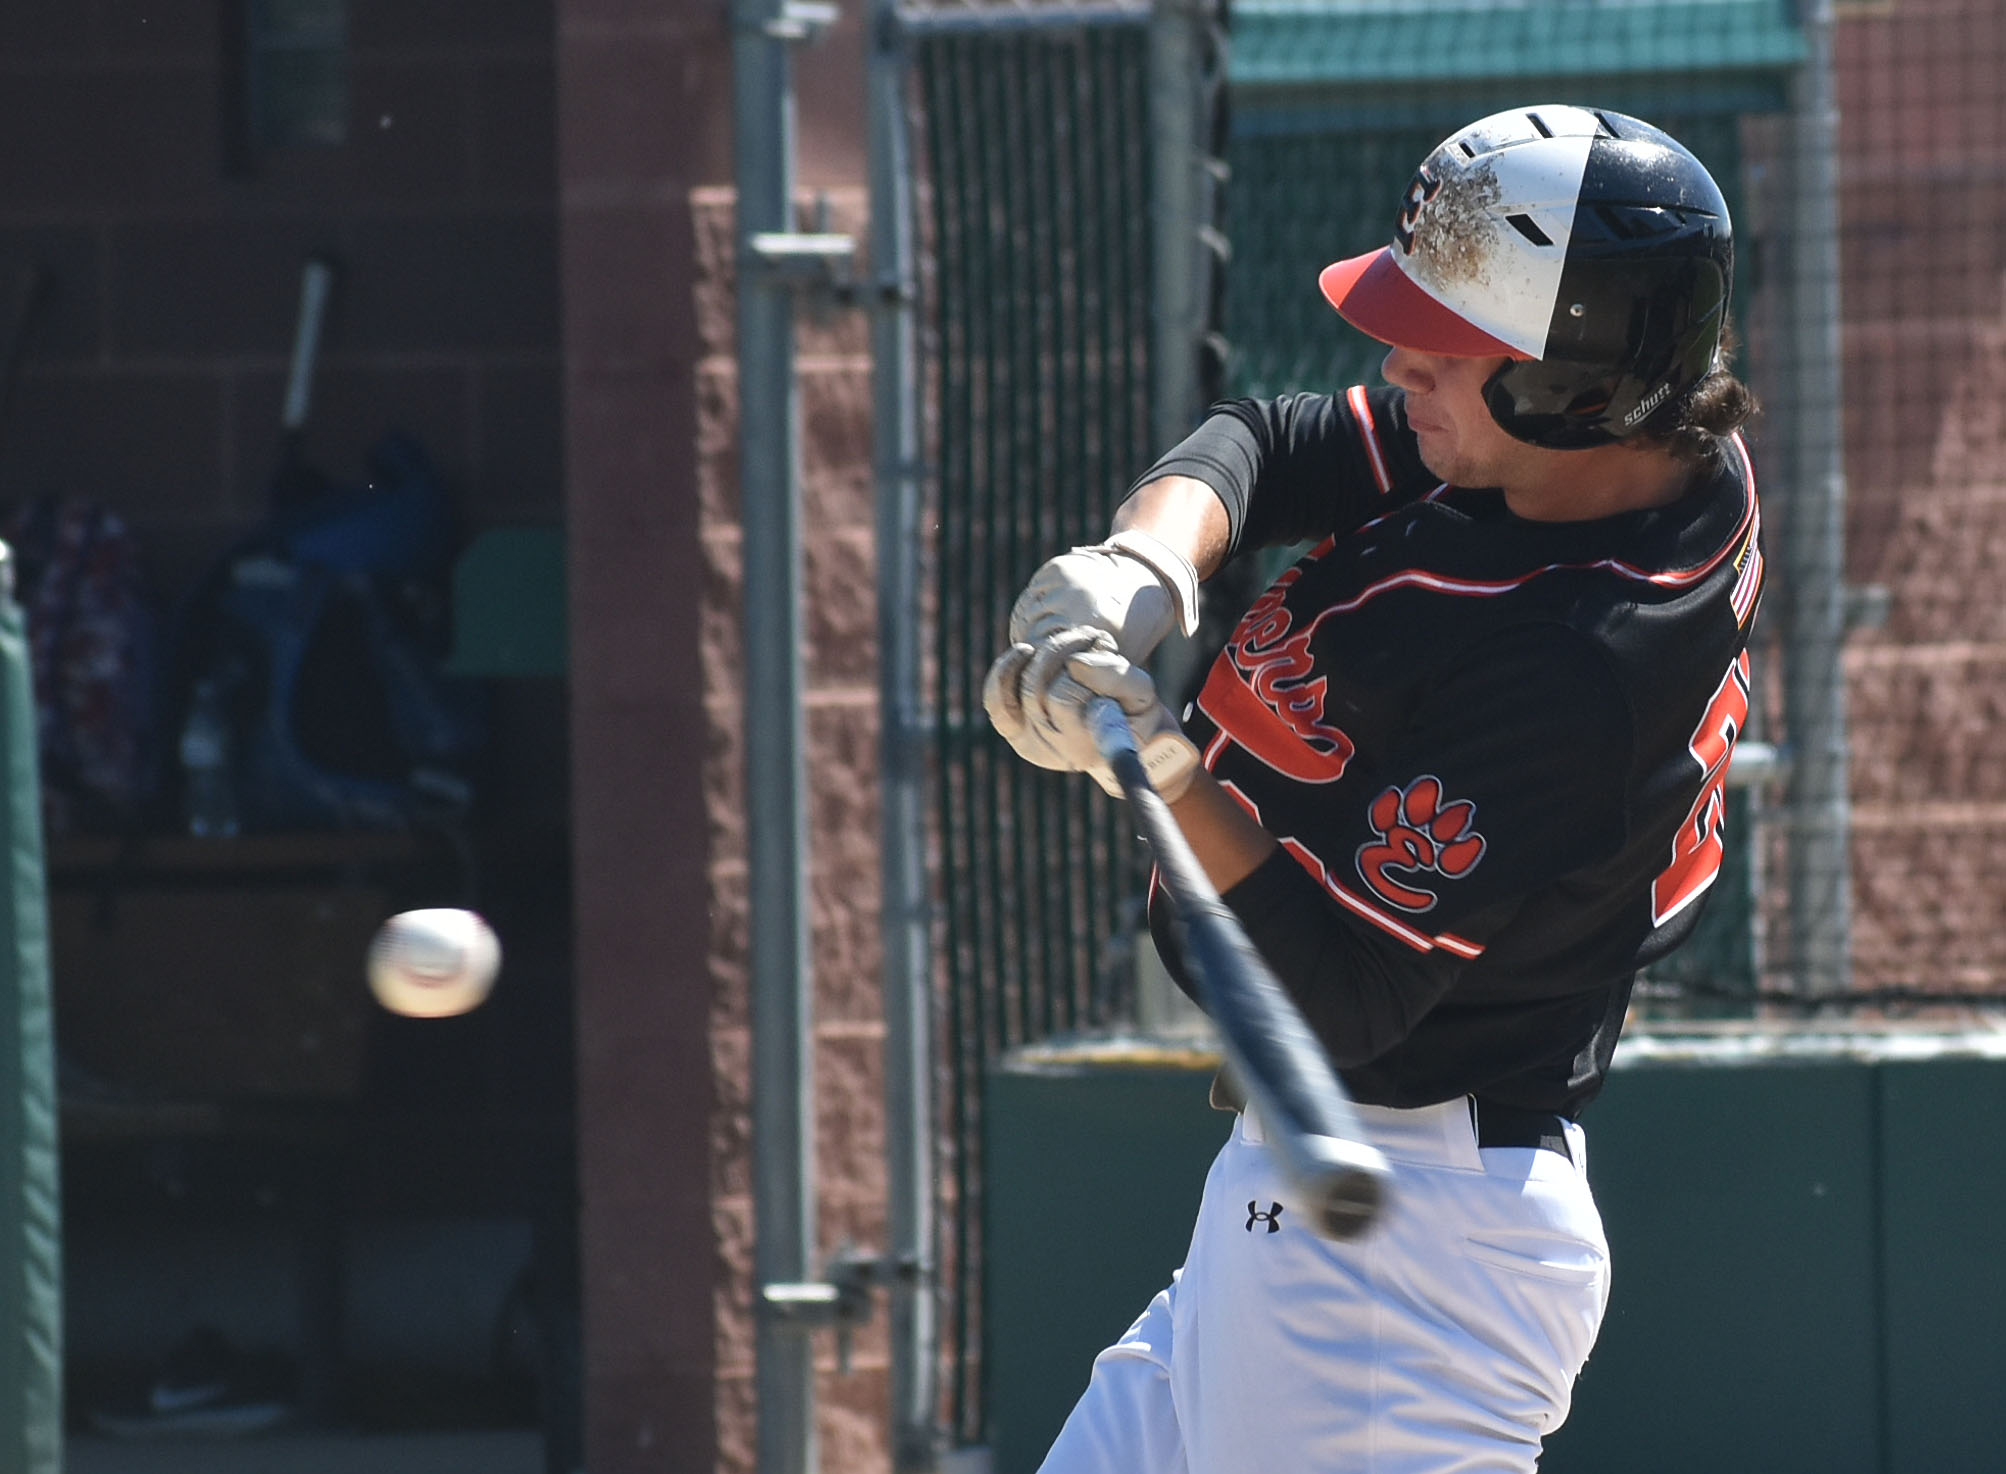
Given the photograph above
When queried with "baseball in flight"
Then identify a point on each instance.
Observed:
(433, 963)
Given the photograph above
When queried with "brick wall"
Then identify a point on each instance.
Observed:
(833, 364)
(643, 117)
(657, 709)
(535, 282)
(153, 378)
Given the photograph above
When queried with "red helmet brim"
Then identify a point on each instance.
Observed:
(1375, 296)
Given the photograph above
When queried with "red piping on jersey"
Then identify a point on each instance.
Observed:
(1743, 598)
(1458, 946)
(1361, 409)
(1420, 941)
(1486, 588)
(1748, 588)
(1233, 697)
(1441, 490)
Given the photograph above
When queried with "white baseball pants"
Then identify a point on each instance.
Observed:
(1445, 1341)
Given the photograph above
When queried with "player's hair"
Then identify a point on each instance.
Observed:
(1695, 426)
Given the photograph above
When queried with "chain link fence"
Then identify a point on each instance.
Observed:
(1036, 217)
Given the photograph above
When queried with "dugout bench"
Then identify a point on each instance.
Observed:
(234, 1085)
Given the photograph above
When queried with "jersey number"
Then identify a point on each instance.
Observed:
(1696, 849)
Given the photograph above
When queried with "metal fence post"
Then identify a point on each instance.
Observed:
(1818, 804)
(910, 1250)
(774, 736)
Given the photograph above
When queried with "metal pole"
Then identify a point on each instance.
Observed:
(1182, 246)
(1185, 243)
(910, 1249)
(1819, 812)
(1177, 313)
(775, 731)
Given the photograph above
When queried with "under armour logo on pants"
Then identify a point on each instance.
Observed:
(1273, 1217)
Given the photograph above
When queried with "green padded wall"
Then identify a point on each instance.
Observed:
(1806, 1238)
(1094, 1172)
(1943, 1198)
(1741, 1336)
(31, 1294)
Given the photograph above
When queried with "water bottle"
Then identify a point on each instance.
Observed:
(208, 785)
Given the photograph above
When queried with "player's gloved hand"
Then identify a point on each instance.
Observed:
(1018, 678)
(1134, 586)
(1037, 697)
(1168, 756)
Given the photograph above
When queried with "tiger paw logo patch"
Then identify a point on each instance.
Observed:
(1418, 835)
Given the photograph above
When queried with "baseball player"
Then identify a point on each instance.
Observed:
(1457, 771)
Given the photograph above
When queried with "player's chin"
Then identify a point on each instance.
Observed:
(1449, 460)
(1437, 454)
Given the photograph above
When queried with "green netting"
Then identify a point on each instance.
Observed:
(1346, 43)
(1298, 202)
(1037, 167)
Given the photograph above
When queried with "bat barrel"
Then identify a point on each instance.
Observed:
(1339, 1177)
(1305, 1114)
(1342, 1183)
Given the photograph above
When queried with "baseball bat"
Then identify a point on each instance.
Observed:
(1340, 1177)
(316, 286)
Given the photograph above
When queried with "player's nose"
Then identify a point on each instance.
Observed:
(1404, 368)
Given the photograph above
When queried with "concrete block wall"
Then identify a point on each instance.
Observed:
(152, 378)
(651, 410)
(839, 618)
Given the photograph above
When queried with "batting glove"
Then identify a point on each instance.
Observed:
(1168, 756)
(1136, 587)
(1014, 687)
(1037, 697)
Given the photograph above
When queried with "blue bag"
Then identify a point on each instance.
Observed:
(326, 631)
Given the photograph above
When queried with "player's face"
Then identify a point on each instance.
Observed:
(1460, 442)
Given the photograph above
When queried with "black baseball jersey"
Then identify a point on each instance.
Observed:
(1492, 749)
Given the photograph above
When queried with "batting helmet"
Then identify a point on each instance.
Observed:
(1587, 246)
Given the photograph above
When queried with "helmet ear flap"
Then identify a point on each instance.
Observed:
(1553, 404)
(1586, 394)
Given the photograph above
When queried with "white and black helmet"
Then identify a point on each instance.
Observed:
(1586, 245)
